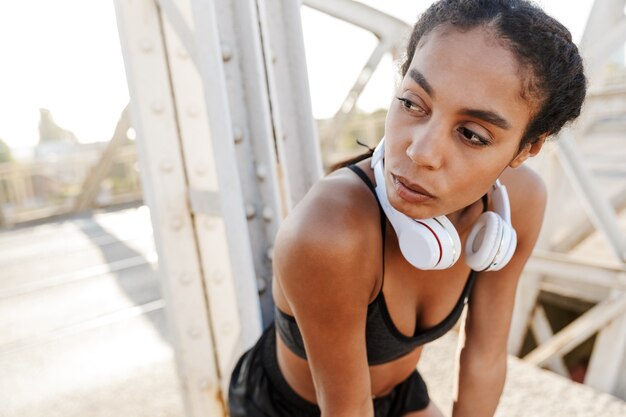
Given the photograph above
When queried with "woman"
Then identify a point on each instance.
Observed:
(485, 83)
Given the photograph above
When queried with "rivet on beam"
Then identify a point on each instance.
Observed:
(194, 332)
(182, 53)
(227, 328)
(200, 170)
(261, 172)
(270, 253)
(166, 166)
(218, 277)
(210, 223)
(177, 223)
(157, 107)
(237, 135)
(146, 46)
(227, 52)
(250, 211)
(261, 285)
(185, 278)
(268, 214)
(192, 110)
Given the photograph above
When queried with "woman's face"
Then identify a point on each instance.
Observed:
(456, 123)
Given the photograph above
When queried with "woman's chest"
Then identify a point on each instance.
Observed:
(417, 300)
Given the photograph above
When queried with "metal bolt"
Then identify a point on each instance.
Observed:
(182, 53)
(185, 278)
(218, 277)
(200, 170)
(261, 285)
(194, 332)
(177, 223)
(227, 328)
(237, 135)
(227, 52)
(157, 107)
(210, 223)
(268, 214)
(261, 172)
(270, 253)
(146, 46)
(250, 211)
(166, 166)
(192, 110)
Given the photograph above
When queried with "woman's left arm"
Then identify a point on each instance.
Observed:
(483, 340)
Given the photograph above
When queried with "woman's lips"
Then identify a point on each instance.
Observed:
(410, 192)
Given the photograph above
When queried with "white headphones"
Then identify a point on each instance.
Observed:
(435, 244)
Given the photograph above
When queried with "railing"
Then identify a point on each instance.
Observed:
(36, 190)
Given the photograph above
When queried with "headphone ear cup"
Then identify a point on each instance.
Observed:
(418, 243)
(448, 238)
(509, 244)
(483, 241)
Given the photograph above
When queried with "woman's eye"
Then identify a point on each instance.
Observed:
(411, 106)
(473, 138)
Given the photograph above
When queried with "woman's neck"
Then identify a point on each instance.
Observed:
(464, 218)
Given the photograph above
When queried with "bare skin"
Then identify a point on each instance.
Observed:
(328, 257)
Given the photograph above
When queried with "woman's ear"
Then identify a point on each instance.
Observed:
(530, 149)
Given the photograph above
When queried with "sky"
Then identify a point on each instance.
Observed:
(64, 55)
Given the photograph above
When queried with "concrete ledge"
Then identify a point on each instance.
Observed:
(529, 391)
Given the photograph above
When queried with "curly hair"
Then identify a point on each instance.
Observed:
(543, 46)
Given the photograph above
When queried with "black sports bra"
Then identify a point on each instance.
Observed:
(383, 340)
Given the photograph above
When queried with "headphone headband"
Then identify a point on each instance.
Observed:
(501, 203)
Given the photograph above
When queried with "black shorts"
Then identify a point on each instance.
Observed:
(258, 388)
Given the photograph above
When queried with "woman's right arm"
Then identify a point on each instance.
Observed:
(321, 267)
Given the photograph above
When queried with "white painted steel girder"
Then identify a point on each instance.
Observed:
(163, 171)
(227, 146)
(380, 24)
(297, 143)
(598, 208)
(604, 33)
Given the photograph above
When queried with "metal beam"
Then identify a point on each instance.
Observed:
(162, 168)
(540, 327)
(297, 143)
(579, 330)
(343, 115)
(380, 24)
(183, 31)
(604, 32)
(91, 184)
(591, 272)
(603, 372)
(599, 210)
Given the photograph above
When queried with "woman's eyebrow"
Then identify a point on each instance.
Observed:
(419, 78)
(487, 116)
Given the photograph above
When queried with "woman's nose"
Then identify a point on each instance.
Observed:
(427, 148)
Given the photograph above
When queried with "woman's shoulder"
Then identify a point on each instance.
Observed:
(338, 211)
(333, 232)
